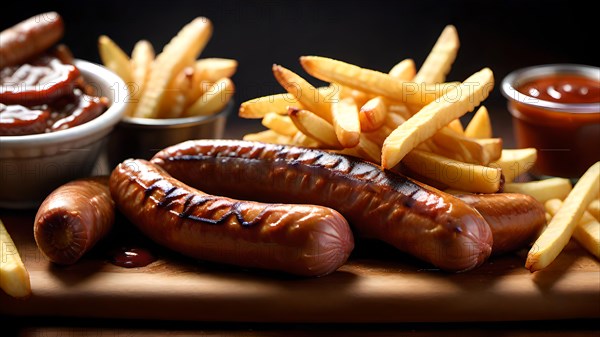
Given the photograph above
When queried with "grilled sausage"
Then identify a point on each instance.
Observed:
(417, 219)
(304, 240)
(73, 218)
(515, 219)
(29, 38)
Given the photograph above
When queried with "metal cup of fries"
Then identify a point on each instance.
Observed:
(173, 96)
(142, 137)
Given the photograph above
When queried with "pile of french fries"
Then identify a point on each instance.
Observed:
(173, 83)
(404, 120)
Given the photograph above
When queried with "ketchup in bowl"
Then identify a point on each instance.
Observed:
(556, 109)
(45, 95)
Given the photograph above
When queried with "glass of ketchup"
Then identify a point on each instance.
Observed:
(556, 109)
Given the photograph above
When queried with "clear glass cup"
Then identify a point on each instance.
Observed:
(566, 135)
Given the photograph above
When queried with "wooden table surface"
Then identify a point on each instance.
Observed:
(380, 292)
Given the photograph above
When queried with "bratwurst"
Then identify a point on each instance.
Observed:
(304, 240)
(417, 219)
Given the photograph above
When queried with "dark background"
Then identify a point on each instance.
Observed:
(374, 34)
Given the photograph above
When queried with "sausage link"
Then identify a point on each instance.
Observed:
(300, 239)
(515, 219)
(29, 38)
(73, 218)
(415, 218)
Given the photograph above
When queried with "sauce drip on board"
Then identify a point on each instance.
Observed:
(132, 257)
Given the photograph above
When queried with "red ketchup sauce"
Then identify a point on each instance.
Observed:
(132, 257)
(45, 95)
(567, 142)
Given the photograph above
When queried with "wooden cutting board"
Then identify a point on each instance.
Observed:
(378, 284)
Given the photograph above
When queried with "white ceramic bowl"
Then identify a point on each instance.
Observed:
(32, 166)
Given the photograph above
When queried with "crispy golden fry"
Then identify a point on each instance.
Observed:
(556, 236)
(404, 70)
(259, 107)
(268, 136)
(542, 190)
(374, 82)
(587, 230)
(315, 127)
(400, 109)
(436, 115)
(515, 162)
(372, 114)
(175, 98)
(480, 126)
(458, 147)
(345, 121)
(213, 100)
(301, 139)
(142, 57)
(438, 62)
(213, 69)
(360, 97)
(179, 53)
(280, 124)
(594, 209)
(452, 173)
(366, 149)
(492, 148)
(14, 277)
(305, 93)
(456, 125)
(114, 58)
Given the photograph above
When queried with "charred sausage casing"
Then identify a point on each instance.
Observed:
(304, 240)
(29, 38)
(73, 218)
(417, 219)
(515, 219)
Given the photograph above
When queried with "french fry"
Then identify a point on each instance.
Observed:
(304, 92)
(360, 97)
(114, 58)
(372, 114)
(480, 125)
(594, 209)
(438, 62)
(542, 190)
(404, 70)
(374, 82)
(213, 69)
(456, 125)
(213, 100)
(492, 148)
(179, 53)
(366, 149)
(259, 107)
(587, 230)
(378, 136)
(558, 232)
(454, 174)
(458, 147)
(175, 99)
(142, 57)
(267, 136)
(280, 124)
(436, 115)
(345, 120)
(315, 127)
(301, 139)
(514, 163)
(14, 277)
